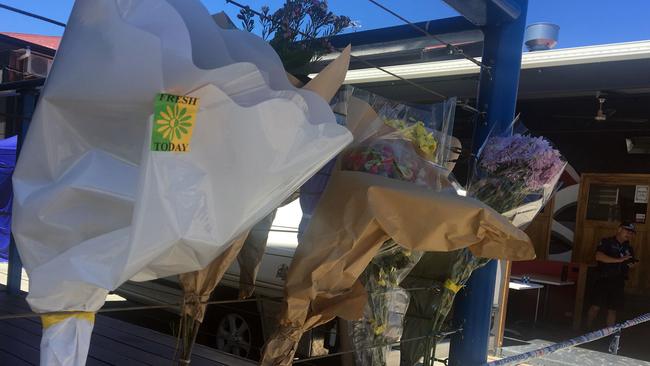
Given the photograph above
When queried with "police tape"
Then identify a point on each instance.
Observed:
(585, 338)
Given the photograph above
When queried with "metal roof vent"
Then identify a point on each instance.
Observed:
(541, 36)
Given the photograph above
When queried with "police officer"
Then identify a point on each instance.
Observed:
(615, 257)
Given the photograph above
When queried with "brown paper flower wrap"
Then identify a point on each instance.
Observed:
(198, 286)
(356, 215)
(409, 149)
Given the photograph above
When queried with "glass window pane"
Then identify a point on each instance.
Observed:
(614, 203)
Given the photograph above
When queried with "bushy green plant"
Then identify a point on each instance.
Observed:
(299, 31)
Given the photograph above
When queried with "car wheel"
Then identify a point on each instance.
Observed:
(234, 335)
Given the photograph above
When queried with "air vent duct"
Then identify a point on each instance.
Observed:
(541, 36)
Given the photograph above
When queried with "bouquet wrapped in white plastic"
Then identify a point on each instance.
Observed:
(106, 190)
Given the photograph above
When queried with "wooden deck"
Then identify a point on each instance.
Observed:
(113, 342)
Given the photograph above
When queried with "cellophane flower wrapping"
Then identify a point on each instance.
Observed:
(383, 319)
(409, 144)
(432, 320)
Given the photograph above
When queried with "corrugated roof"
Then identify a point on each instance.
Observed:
(51, 42)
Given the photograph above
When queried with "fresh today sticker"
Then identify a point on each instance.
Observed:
(173, 123)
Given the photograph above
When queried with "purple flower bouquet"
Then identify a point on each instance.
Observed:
(517, 175)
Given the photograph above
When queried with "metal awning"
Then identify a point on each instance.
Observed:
(482, 12)
(579, 71)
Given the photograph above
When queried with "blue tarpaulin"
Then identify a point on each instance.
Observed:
(7, 164)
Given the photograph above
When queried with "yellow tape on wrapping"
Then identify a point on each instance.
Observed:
(53, 319)
(452, 286)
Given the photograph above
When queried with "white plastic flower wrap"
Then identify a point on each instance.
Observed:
(101, 196)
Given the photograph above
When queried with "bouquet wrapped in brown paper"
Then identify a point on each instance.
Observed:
(247, 249)
(360, 211)
(411, 146)
(516, 175)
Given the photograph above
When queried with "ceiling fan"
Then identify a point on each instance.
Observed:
(602, 114)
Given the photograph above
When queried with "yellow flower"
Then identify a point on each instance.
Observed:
(174, 123)
(381, 278)
(379, 329)
(418, 134)
(423, 139)
(398, 124)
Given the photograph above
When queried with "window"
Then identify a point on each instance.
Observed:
(614, 203)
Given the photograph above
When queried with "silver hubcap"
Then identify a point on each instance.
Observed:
(234, 335)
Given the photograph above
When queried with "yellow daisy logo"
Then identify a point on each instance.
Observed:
(174, 123)
(174, 119)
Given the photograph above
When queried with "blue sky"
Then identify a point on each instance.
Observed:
(582, 22)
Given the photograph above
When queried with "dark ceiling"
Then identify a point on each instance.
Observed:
(593, 146)
(589, 145)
